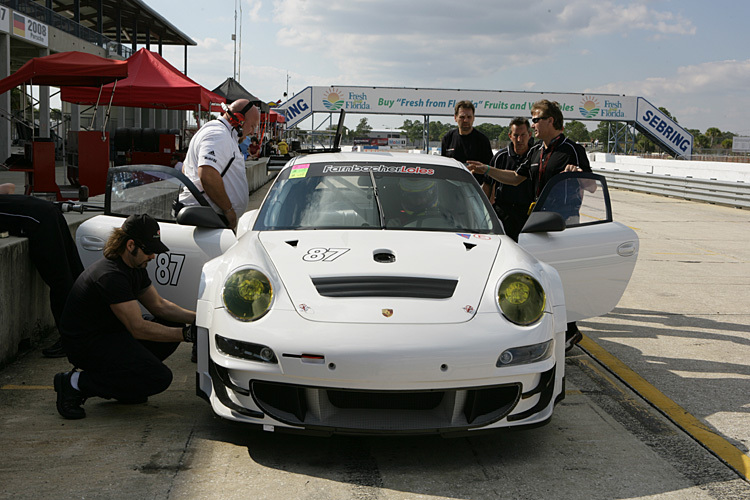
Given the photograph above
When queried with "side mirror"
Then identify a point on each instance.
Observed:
(201, 217)
(544, 222)
(246, 222)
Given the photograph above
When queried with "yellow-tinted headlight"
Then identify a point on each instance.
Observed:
(247, 294)
(521, 299)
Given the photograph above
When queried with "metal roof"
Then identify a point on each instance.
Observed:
(131, 11)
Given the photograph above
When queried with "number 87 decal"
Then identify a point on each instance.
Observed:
(168, 268)
(324, 254)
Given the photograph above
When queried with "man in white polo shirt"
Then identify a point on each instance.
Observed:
(215, 164)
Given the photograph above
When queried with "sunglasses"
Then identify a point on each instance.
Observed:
(535, 120)
(143, 249)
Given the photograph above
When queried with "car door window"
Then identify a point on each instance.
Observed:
(581, 198)
(150, 189)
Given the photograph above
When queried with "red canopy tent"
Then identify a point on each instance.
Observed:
(151, 83)
(275, 117)
(67, 68)
(60, 70)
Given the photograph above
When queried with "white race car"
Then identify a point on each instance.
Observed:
(377, 293)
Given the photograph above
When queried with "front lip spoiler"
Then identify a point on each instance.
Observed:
(545, 388)
(220, 380)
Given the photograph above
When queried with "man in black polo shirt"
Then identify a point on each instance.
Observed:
(512, 202)
(465, 142)
(553, 155)
(104, 333)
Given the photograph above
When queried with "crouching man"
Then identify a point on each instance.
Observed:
(118, 352)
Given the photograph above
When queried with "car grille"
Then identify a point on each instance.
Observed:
(385, 411)
(385, 286)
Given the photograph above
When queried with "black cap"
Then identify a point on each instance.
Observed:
(145, 231)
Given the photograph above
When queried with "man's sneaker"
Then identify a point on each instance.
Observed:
(69, 400)
(572, 336)
(54, 351)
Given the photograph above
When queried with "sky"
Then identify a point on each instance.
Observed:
(691, 57)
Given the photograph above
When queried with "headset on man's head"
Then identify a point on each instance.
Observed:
(236, 119)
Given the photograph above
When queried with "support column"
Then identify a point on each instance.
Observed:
(173, 121)
(75, 117)
(44, 104)
(150, 118)
(5, 123)
(162, 118)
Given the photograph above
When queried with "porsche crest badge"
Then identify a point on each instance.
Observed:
(387, 312)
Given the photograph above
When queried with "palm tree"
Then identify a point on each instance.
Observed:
(713, 133)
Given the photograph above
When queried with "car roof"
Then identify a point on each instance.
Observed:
(384, 157)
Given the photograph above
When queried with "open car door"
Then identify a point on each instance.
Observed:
(571, 228)
(194, 237)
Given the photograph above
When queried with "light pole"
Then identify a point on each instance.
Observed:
(234, 39)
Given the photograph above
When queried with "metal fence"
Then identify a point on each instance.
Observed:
(733, 194)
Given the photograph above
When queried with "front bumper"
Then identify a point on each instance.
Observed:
(349, 411)
(409, 379)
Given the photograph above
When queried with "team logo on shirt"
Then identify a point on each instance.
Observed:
(589, 107)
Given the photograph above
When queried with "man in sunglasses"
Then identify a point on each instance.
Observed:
(104, 333)
(554, 154)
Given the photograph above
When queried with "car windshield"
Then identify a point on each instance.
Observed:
(377, 196)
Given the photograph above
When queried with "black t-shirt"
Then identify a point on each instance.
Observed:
(505, 194)
(87, 311)
(472, 146)
(546, 162)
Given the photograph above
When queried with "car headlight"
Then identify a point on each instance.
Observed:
(247, 294)
(525, 355)
(521, 299)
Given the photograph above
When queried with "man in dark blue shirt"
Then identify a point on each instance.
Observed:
(512, 202)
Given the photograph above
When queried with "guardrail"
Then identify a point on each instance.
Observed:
(733, 194)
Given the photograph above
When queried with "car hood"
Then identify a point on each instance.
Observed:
(382, 276)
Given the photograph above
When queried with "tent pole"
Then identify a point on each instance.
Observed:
(96, 107)
(109, 108)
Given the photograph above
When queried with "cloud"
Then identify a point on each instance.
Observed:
(392, 42)
(709, 78)
(702, 95)
(254, 8)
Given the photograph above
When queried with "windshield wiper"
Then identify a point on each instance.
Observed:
(377, 200)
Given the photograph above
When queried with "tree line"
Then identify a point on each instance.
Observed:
(711, 138)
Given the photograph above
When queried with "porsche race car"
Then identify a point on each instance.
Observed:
(376, 292)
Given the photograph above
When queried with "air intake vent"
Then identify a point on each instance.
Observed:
(385, 286)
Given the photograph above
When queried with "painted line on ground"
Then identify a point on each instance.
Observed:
(12, 387)
(707, 437)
